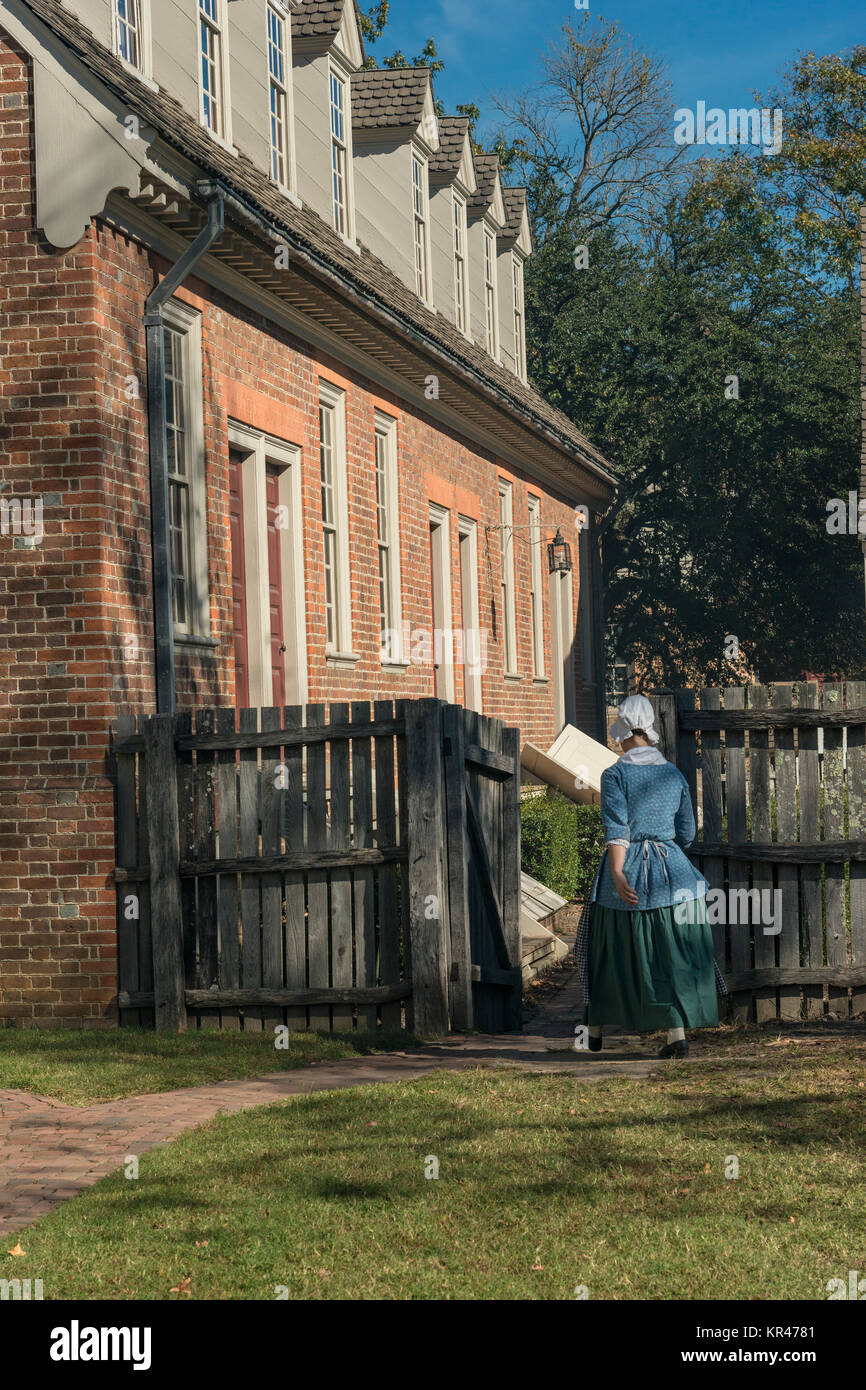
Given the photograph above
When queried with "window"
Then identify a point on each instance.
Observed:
(419, 207)
(535, 596)
(212, 53)
(492, 326)
(185, 466)
(440, 593)
(388, 539)
(280, 110)
(335, 537)
(506, 542)
(519, 326)
(461, 288)
(128, 32)
(474, 645)
(339, 154)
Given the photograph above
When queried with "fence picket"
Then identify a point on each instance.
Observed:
(251, 955)
(341, 879)
(856, 699)
(810, 874)
(295, 891)
(318, 968)
(364, 879)
(766, 1006)
(386, 834)
(227, 884)
(713, 869)
(834, 829)
(205, 844)
(785, 759)
(738, 873)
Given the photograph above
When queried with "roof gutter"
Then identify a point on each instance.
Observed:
(160, 508)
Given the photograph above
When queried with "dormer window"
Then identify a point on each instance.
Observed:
(420, 204)
(280, 117)
(461, 286)
(492, 324)
(519, 325)
(212, 58)
(339, 153)
(127, 28)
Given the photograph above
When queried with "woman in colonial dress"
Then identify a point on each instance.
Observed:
(644, 946)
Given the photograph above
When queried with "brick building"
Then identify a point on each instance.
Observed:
(315, 472)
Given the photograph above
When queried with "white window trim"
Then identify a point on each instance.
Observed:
(285, 14)
(187, 321)
(459, 201)
(519, 329)
(467, 529)
(506, 545)
(145, 42)
(223, 137)
(421, 159)
(341, 649)
(493, 283)
(441, 601)
(386, 426)
(535, 588)
(344, 74)
(262, 449)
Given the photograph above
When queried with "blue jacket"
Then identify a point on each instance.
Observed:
(650, 807)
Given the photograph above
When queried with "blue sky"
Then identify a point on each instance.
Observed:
(718, 53)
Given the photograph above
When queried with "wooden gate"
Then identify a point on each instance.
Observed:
(778, 782)
(276, 866)
(482, 807)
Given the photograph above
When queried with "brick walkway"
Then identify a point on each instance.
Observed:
(50, 1151)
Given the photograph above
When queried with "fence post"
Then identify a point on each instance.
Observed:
(160, 768)
(511, 881)
(428, 894)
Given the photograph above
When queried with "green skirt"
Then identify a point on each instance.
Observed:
(648, 971)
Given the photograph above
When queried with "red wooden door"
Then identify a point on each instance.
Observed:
(239, 588)
(275, 588)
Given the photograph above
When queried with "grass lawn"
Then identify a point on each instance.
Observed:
(545, 1184)
(83, 1066)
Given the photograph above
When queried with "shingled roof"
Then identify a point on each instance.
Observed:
(452, 135)
(383, 97)
(514, 200)
(314, 18)
(486, 172)
(315, 245)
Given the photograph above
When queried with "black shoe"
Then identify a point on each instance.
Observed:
(595, 1043)
(675, 1049)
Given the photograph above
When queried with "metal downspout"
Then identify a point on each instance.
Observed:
(163, 610)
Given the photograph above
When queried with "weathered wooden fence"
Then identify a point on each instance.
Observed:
(778, 781)
(357, 871)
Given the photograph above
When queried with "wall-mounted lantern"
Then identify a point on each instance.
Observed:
(559, 555)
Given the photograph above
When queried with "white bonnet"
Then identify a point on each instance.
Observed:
(634, 713)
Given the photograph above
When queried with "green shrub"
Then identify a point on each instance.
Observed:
(562, 843)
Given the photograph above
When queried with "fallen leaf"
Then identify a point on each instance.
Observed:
(325, 1273)
(200, 1243)
(371, 1124)
(16, 1249)
(707, 1168)
(183, 1286)
(538, 1266)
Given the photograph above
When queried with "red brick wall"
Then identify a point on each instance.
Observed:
(74, 432)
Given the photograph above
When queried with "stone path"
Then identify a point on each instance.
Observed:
(50, 1151)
